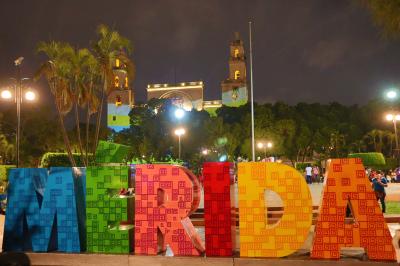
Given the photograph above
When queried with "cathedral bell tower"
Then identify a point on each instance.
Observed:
(120, 100)
(234, 88)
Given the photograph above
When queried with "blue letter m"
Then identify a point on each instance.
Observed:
(41, 210)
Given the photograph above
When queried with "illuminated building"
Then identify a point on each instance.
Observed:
(120, 100)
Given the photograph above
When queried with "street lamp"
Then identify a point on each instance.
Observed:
(391, 94)
(179, 113)
(7, 94)
(394, 118)
(179, 132)
(265, 146)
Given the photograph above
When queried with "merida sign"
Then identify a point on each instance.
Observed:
(81, 210)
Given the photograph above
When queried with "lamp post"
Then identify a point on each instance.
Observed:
(394, 118)
(264, 146)
(7, 94)
(179, 132)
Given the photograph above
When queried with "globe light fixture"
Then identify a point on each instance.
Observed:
(179, 113)
(30, 96)
(391, 94)
(6, 94)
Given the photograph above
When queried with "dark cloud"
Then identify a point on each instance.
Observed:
(311, 50)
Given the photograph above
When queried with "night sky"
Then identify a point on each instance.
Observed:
(308, 50)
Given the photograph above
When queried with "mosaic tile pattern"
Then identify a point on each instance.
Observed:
(105, 210)
(219, 209)
(108, 152)
(346, 182)
(42, 199)
(165, 196)
(257, 238)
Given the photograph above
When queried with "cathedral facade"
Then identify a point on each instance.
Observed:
(189, 95)
(120, 100)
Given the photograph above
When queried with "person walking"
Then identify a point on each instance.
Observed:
(379, 182)
(308, 174)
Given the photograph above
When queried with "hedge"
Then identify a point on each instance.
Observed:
(52, 159)
(370, 159)
(3, 172)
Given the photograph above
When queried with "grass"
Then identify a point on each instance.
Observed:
(392, 207)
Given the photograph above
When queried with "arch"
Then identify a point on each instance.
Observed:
(236, 53)
(186, 98)
(237, 74)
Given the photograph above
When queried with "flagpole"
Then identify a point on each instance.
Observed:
(253, 146)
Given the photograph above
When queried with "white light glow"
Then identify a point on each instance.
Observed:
(269, 144)
(179, 113)
(389, 117)
(180, 131)
(6, 94)
(392, 94)
(30, 96)
(260, 145)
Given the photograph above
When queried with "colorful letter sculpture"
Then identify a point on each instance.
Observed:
(219, 209)
(165, 196)
(347, 182)
(105, 210)
(257, 239)
(44, 205)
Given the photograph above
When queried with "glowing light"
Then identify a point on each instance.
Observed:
(260, 145)
(392, 94)
(180, 131)
(30, 96)
(389, 117)
(179, 113)
(223, 158)
(397, 117)
(204, 152)
(269, 145)
(6, 94)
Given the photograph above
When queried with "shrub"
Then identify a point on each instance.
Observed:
(3, 172)
(52, 159)
(370, 159)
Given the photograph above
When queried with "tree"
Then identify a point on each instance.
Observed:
(55, 70)
(386, 14)
(109, 46)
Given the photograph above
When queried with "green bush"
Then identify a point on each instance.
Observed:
(3, 172)
(370, 159)
(53, 159)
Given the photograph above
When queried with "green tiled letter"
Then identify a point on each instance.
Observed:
(105, 210)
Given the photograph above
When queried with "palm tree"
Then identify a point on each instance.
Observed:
(55, 70)
(109, 46)
(78, 60)
(375, 137)
(91, 80)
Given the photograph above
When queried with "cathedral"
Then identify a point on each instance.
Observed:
(186, 95)
(120, 101)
